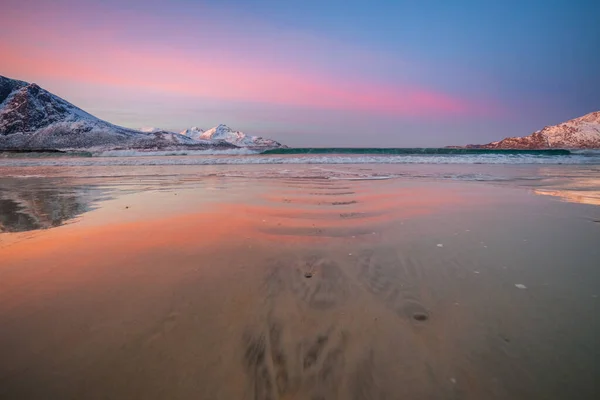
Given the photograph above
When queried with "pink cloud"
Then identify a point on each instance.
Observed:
(40, 49)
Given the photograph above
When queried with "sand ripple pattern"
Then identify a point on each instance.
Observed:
(313, 342)
(313, 208)
(285, 358)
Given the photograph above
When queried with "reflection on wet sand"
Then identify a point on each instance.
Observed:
(39, 205)
(582, 190)
(245, 295)
(305, 216)
(572, 196)
(581, 187)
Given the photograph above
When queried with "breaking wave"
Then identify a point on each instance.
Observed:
(301, 156)
(413, 151)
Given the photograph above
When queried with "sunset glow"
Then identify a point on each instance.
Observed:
(204, 57)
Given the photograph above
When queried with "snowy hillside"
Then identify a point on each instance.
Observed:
(33, 118)
(194, 132)
(225, 133)
(578, 133)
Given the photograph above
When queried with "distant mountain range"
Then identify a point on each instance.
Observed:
(237, 138)
(578, 133)
(32, 118)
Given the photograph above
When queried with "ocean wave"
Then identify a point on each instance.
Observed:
(364, 178)
(414, 151)
(222, 159)
(588, 152)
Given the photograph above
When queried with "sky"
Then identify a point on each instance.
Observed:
(315, 73)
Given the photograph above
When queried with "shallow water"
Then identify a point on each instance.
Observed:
(305, 156)
(299, 281)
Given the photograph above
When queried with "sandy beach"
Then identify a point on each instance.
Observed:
(299, 200)
(146, 286)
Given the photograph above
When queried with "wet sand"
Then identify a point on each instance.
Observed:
(238, 288)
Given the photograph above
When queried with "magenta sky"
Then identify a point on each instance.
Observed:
(181, 63)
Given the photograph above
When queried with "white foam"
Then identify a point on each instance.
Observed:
(363, 178)
(246, 156)
(142, 153)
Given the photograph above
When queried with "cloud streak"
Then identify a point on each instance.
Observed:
(61, 46)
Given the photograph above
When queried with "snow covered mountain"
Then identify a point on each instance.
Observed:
(33, 118)
(194, 132)
(150, 129)
(578, 133)
(184, 137)
(226, 134)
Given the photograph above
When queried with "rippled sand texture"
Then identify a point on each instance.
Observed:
(239, 288)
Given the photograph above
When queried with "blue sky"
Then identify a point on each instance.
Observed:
(315, 73)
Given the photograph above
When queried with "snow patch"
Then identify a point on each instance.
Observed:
(226, 134)
(578, 133)
(150, 129)
(194, 132)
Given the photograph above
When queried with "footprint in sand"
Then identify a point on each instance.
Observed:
(280, 366)
(395, 282)
(326, 288)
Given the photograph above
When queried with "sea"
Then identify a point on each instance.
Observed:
(560, 171)
(304, 156)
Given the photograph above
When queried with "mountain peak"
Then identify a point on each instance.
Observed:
(220, 130)
(150, 129)
(33, 87)
(26, 107)
(194, 132)
(593, 117)
(33, 118)
(578, 133)
(8, 86)
(223, 133)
